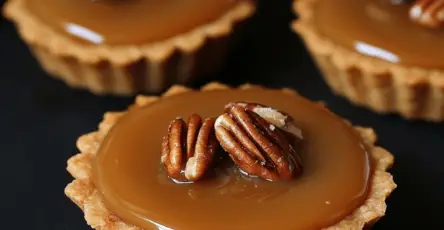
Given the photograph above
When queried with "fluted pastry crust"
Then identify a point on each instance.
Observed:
(83, 192)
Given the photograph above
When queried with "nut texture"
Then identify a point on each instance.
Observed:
(254, 137)
(428, 13)
(188, 149)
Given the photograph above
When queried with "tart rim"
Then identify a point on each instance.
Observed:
(35, 32)
(82, 191)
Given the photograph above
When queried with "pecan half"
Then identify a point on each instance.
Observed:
(188, 149)
(254, 137)
(428, 13)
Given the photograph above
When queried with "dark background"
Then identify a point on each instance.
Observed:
(41, 118)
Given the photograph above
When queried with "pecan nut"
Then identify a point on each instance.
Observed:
(256, 138)
(188, 149)
(428, 13)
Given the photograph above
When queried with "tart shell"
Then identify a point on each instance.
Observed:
(129, 69)
(83, 192)
(412, 92)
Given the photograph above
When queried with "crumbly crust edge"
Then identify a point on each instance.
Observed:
(413, 92)
(34, 32)
(83, 193)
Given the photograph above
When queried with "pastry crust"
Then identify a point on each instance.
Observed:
(82, 191)
(128, 69)
(412, 92)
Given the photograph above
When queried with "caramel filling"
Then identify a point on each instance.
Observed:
(134, 185)
(127, 21)
(382, 30)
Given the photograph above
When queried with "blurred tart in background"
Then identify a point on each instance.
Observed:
(386, 55)
(128, 46)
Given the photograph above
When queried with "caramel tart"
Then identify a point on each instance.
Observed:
(337, 178)
(129, 46)
(384, 55)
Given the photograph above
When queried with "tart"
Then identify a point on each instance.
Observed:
(312, 169)
(383, 55)
(130, 46)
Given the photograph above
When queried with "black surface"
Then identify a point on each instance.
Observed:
(41, 118)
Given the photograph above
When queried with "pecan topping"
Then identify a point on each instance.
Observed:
(188, 149)
(428, 13)
(256, 138)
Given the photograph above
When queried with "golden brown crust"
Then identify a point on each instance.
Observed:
(128, 69)
(82, 191)
(413, 92)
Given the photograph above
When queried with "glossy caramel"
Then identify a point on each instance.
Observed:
(134, 186)
(380, 29)
(120, 22)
